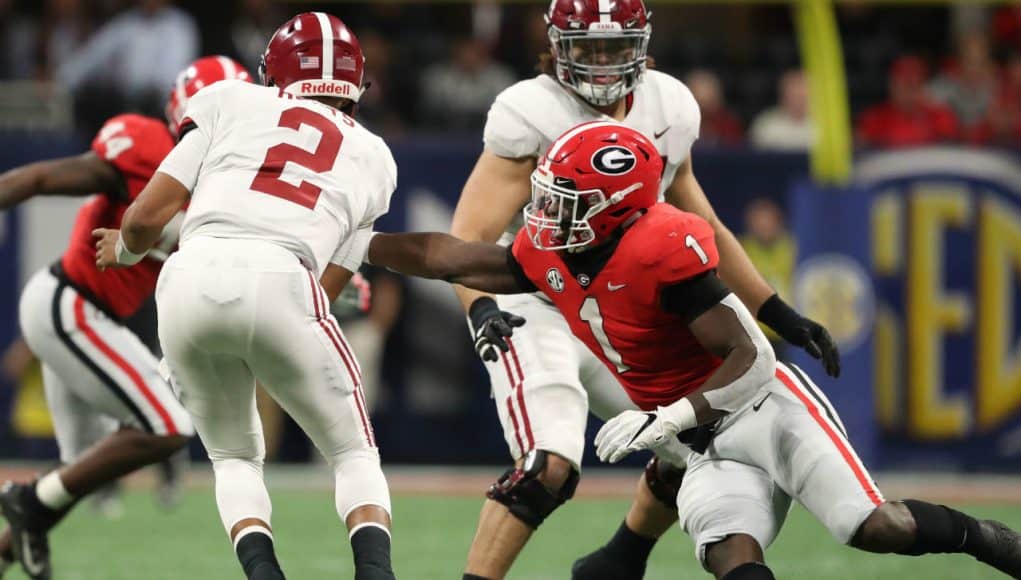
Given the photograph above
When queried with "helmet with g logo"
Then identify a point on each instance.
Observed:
(594, 179)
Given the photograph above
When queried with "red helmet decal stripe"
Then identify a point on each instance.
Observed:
(604, 12)
(327, 29)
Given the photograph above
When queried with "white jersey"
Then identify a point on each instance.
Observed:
(527, 118)
(265, 165)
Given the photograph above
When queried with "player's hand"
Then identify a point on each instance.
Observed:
(631, 431)
(491, 326)
(106, 248)
(802, 332)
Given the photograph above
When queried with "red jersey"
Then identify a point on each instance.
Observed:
(135, 146)
(618, 312)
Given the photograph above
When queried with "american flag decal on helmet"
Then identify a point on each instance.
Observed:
(308, 62)
(346, 62)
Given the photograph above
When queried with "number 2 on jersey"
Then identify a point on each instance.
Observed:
(590, 313)
(322, 159)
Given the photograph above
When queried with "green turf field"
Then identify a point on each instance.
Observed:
(432, 535)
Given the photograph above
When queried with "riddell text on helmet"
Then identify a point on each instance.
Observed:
(325, 88)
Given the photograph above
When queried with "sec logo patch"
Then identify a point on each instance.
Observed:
(555, 280)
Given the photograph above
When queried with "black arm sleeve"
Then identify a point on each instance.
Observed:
(690, 298)
(519, 274)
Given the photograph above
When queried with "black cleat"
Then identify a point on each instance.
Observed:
(28, 538)
(602, 565)
(1000, 548)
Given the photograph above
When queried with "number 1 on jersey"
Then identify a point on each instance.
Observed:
(321, 160)
(590, 313)
(692, 243)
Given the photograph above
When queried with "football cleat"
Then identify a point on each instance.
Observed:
(28, 540)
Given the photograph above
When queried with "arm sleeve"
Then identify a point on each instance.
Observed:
(352, 252)
(690, 298)
(508, 134)
(518, 272)
(185, 161)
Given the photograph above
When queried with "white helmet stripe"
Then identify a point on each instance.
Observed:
(604, 11)
(227, 66)
(327, 30)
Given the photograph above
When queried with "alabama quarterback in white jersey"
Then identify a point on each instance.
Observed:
(547, 383)
(284, 187)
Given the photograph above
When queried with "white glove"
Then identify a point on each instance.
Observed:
(633, 431)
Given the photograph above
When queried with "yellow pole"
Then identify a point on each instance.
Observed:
(824, 64)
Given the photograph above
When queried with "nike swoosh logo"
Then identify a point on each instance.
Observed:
(756, 406)
(649, 418)
(614, 287)
(31, 566)
(661, 133)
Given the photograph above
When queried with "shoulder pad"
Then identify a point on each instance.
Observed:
(684, 115)
(133, 143)
(677, 244)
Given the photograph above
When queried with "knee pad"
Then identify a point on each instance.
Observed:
(527, 498)
(664, 481)
(359, 482)
(750, 571)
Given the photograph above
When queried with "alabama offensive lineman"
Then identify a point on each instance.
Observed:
(548, 382)
(112, 411)
(283, 187)
(636, 282)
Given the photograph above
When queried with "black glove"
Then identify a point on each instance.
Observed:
(800, 331)
(491, 325)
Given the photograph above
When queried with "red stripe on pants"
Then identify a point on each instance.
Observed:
(122, 364)
(521, 396)
(336, 345)
(842, 447)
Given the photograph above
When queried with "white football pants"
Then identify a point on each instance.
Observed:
(233, 311)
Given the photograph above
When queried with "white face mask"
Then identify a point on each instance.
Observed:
(602, 67)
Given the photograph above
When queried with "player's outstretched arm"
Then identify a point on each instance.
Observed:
(143, 223)
(78, 175)
(738, 272)
(443, 257)
(495, 192)
(727, 330)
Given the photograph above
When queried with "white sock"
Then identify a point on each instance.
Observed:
(52, 493)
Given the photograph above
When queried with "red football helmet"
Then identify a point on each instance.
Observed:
(599, 46)
(314, 54)
(594, 179)
(201, 73)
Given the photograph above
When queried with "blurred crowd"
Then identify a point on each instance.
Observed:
(916, 74)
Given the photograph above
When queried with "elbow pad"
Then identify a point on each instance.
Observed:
(740, 392)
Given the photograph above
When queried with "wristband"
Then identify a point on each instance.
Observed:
(777, 314)
(482, 309)
(678, 416)
(126, 256)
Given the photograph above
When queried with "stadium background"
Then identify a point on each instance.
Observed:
(888, 209)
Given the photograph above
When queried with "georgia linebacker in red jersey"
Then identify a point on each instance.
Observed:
(112, 411)
(636, 281)
(596, 68)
